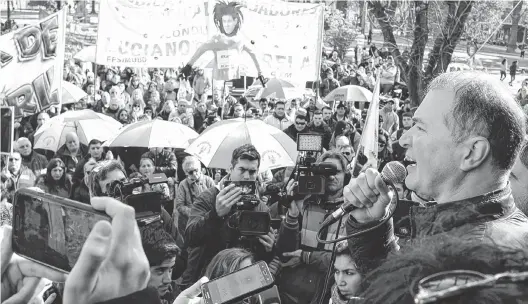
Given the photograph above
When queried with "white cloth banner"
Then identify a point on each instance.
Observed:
(31, 63)
(150, 33)
(276, 38)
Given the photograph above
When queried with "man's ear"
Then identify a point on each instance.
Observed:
(475, 152)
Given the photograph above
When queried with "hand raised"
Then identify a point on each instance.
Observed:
(112, 262)
(227, 197)
(369, 193)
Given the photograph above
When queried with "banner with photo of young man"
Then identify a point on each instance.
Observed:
(31, 63)
(263, 37)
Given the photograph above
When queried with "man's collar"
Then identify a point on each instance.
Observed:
(447, 216)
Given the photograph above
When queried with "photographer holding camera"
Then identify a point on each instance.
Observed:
(301, 280)
(210, 226)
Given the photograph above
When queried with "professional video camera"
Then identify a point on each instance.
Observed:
(310, 176)
(243, 219)
(147, 205)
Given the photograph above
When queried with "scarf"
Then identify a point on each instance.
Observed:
(336, 296)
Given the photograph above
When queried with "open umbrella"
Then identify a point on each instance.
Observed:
(349, 93)
(279, 88)
(71, 93)
(154, 134)
(215, 146)
(87, 54)
(86, 124)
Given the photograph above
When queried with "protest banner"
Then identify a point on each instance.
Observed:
(234, 38)
(31, 63)
(269, 37)
(150, 33)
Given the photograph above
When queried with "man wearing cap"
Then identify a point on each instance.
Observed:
(391, 121)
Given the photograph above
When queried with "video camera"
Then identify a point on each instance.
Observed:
(243, 218)
(311, 177)
(147, 205)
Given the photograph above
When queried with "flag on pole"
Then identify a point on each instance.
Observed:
(368, 145)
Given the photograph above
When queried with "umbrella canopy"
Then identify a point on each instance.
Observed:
(86, 124)
(154, 134)
(349, 93)
(279, 88)
(71, 93)
(87, 54)
(215, 146)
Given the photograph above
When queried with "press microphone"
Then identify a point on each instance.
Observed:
(394, 172)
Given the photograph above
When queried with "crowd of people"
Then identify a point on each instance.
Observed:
(467, 192)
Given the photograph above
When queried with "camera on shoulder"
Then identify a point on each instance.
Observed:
(311, 177)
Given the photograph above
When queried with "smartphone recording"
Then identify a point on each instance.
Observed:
(51, 230)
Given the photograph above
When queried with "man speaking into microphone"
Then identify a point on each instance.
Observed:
(466, 136)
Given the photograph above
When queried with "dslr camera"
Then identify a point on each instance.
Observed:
(147, 204)
(310, 176)
(243, 218)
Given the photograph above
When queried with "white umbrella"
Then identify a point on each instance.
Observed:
(349, 93)
(87, 54)
(71, 93)
(215, 146)
(154, 134)
(86, 124)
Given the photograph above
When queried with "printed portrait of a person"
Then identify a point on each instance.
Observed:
(227, 46)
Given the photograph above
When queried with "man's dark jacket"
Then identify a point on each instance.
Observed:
(492, 217)
(207, 234)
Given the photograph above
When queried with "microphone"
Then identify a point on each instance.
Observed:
(393, 173)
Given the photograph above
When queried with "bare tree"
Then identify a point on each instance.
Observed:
(411, 65)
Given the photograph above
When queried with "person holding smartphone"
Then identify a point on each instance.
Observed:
(208, 231)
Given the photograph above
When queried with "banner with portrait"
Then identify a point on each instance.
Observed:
(31, 63)
(150, 33)
(269, 37)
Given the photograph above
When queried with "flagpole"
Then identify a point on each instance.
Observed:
(371, 117)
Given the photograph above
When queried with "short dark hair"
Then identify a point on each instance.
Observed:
(94, 142)
(301, 117)
(263, 100)
(327, 108)
(318, 112)
(158, 244)
(247, 152)
(280, 102)
(483, 106)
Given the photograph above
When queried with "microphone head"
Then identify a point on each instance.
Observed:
(394, 172)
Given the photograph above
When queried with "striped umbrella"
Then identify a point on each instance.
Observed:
(87, 124)
(215, 146)
(155, 133)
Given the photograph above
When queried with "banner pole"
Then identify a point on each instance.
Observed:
(320, 55)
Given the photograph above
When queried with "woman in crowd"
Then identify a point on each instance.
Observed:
(347, 277)
(147, 168)
(123, 117)
(167, 110)
(55, 181)
(228, 261)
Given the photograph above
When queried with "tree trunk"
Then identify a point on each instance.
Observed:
(445, 43)
(413, 72)
(342, 6)
(515, 17)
